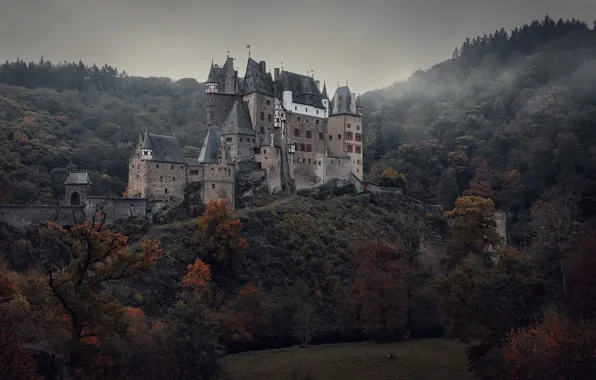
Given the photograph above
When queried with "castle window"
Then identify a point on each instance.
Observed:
(229, 139)
(358, 137)
(317, 122)
(160, 179)
(305, 109)
(358, 149)
(308, 134)
(166, 191)
(240, 139)
(309, 148)
(309, 160)
(307, 120)
(262, 129)
(144, 153)
(268, 102)
(229, 171)
(269, 117)
(357, 127)
(349, 125)
(172, 167)
(194, 172)
(212, 170)
(302, 147)
(358, 162)
(253, 141)
(348, 135)
(296, 108)
(349, 148)
(317, 112)
(321, 136)
(263, 116)
(264, 151)
(173, 178)
(339, 136)
(330, 137)
(137, 176)
(298, 118)
(297, 132)
(157, 166)
(357, 170)
(320, 163)
(213, 186)
(181, 167)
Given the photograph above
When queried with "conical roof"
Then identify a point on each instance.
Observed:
(212, 75)
(210, 152)
(238, 120)
(324, 95)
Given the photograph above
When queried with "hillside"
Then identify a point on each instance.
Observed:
(511, 115)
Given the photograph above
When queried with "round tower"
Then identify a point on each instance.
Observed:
(212, 86)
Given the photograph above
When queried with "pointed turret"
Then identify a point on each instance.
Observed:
(324, 94)
(238, 121)
(358, 106)
(212, 84)
(210, 150)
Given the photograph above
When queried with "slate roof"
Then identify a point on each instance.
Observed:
(78, 179)
(342, 102)
(219, 74)
(324, 94)
(165, 148)
(255, 80)
(304, 89)
(238, 120)
(210, 151)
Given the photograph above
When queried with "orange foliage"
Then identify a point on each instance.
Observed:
(28, 121)
(219, 236)
(555, 349)
(243, 317)
(138, 326)
(20, 136)
(378, 292)
(198, 276)
(125, 193)
(512, 177)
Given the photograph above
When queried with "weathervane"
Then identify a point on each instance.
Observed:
(282, 65)
(248, 48)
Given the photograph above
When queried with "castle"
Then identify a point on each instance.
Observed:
(282, 129)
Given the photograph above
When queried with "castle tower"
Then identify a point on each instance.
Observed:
(77, 189)
(325, 99)
(222, 88)
(212, 85)
(345, 128)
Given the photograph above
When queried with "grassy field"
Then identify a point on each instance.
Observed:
(415, 360)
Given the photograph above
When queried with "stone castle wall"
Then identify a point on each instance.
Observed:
(261, 114)
(162, 180)
(269, 159)
(218, 182)
(339, 168)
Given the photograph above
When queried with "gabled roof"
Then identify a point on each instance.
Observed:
(256, 80)
(78, 179)
(304, 89)
(238, 120)
(165, 148)
(342, 102)
(210, 152)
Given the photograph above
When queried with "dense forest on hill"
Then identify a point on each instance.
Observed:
(514, 112)
(508, 122)
(67, 117)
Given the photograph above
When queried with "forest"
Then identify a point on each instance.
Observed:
(508, 123)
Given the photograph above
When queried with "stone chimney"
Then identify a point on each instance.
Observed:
(263, 66)
(318, 82)
(276, 73)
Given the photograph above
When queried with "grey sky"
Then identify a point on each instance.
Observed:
(371, 43)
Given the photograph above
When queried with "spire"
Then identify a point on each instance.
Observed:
(212, 76)
(147, 140)
(324, 95)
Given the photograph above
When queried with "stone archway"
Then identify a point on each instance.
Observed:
(75, 199)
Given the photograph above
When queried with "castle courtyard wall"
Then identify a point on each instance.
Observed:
(163, 180)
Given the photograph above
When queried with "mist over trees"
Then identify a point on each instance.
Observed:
(508, 123)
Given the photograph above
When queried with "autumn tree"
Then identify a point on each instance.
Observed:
(80, 263)
(481, 185)
(480, 304)
(557, 227)
(378, 292)
(554, 349)
(15, 329)
(244, 317)
(473, 231)
(391, 178)
(219, 238)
